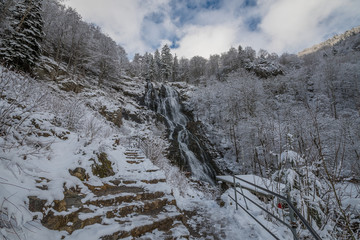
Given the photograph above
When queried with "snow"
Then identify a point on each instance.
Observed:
(40, 160)
(292, 157)
(227, 220)
(29, 160)
(350, 197)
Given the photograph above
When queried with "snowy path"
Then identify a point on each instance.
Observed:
(207, 220)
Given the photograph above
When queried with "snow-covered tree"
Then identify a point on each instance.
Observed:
(166, 63)
(175, 69)
(303, 186)
(21, 49)
(136, 64)
(212, 66)
(230, 60)
(184, 70)
(122, 59)
(148, 66)
(197, 67)
(5, 11)
(157, 65)
(249, 54)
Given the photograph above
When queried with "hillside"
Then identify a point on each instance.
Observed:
(71, 168)
(94, 146)
(332, 41)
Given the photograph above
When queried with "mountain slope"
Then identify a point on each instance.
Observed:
(71, 168)
(330, 42)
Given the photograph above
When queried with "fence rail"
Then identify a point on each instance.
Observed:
(291, 226)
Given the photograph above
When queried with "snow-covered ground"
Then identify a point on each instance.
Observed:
(45, 132)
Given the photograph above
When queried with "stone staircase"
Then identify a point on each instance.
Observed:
(138, 205)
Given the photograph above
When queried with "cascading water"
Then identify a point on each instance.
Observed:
(166, 102)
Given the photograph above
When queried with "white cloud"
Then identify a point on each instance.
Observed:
(121, 20)
(296, 23)
(285, 25)
(205, 40)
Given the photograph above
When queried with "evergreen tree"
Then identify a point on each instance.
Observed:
(184, 70)
(5, 9)
(152, 72)
(166, 63)
(21, 48)
(149, 66)
(136, 65)
(157, 65)
(175, 69)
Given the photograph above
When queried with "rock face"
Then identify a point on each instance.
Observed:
(72, 87)
(265, 69)
(186, 149)
(80, 173)
(114, 117)
(103, 168)
(139, 204)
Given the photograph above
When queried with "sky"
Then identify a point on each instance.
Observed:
(205, 27)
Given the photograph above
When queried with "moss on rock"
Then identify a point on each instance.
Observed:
(104, 169)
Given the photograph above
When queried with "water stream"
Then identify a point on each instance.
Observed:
(165, 101)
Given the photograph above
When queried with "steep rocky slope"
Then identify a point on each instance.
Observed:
(66, 159)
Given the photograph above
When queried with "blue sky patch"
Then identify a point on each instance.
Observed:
(249, 3)
(155, 17)
(175, 43)
(184, 11)
(212, 4)
(253, 23)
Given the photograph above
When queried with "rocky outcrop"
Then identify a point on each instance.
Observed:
(80, 173)
(71, 86)
(112, 116)
(103, 167)
(264, 68)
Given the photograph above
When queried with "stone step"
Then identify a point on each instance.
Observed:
(107, 189)
(130, 153)
(125, 198)
(133, 201)
(154, 181)
(151, 207)
(162, 223)
(178, 231)
(135, 157)
(69, 222)
(134, 161)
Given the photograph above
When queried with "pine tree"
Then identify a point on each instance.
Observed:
(152, 73)
(21, 49)
(175, 69)
(166, 63)
(157, 65)
(148, 66)
(5, 10)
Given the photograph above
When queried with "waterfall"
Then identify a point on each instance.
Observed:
(192, 153)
